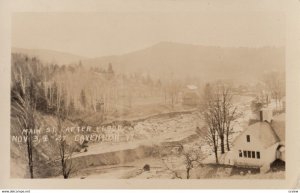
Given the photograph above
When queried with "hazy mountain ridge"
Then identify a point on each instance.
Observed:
(209, 62)
(50, 56)
(185, 60)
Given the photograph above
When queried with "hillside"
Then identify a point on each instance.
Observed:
(181, 60)
(206, 62)
(50, 56)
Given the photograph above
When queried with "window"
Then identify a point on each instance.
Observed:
(240, 153)
(245, 153)
(249, 154)
(258, 155)
(248, 138)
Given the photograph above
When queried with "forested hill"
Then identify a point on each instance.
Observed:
(185, 60)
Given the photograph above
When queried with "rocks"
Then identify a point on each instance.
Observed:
(163, 125)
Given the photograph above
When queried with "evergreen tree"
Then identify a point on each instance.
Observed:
(83, 98)
(110, 69)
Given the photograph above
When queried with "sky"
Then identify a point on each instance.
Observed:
(100, 33)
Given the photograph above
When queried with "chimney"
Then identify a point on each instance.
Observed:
(265, 115)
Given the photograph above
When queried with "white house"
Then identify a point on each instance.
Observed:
(261, 143)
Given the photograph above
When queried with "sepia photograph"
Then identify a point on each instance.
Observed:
(140, 94)
(149, 95)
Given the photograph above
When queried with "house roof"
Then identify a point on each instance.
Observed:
(267, 133)
(264, 131)
(278, 125)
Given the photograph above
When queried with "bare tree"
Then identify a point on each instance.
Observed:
(210, 132)
(25, 108)
(171, 91)
(208, 115)
(231, 116)
(176, 173)
(192, 158)
(65, 153)
(65, 150)
(229, 113)
(218, 112)
(275, 83)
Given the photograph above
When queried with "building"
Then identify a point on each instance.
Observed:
(261, 143)
(190, 96)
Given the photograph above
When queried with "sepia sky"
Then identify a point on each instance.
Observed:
(94, 34)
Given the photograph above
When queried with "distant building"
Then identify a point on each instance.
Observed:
(261, 143)
(190, 96)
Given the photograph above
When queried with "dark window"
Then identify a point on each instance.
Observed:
(245, 153)
(261, 116)
(258, 155)
(249, 154)
(248, 138)
(240, 153)
(253, 154)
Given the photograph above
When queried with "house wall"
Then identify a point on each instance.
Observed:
(245, 161)
(282, 156)
(267, 155)
(270, 154)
